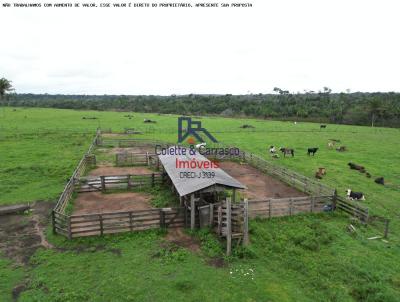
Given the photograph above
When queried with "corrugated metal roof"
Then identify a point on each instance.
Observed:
(186, 186)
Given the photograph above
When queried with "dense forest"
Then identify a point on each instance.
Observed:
(373, 109)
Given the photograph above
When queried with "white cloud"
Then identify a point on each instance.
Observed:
(290, 44)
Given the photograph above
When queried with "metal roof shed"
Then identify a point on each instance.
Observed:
(185, 186)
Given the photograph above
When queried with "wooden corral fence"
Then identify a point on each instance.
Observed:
(352, 209)
(87, 160)
(303, 183)
(133, 159)
(130, 142)
(230, 221)
(114, 182)
(74, 226)
(277, 207)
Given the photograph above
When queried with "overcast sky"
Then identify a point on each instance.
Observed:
(291, 44)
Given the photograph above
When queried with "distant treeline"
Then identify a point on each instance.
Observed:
(374, 109)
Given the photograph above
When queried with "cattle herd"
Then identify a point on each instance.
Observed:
(352, 195)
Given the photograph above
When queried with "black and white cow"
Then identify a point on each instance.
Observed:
(287, 151)
(312, 151)
(355, 195)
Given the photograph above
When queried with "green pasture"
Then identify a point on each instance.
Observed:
(300, 258)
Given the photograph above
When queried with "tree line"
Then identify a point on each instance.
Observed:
(372, 109)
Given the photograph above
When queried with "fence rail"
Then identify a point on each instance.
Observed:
(104, 223)
(83, 164)
(116, 222)
(104, 183)
(276, 207)
(133, 159)
(305, 184)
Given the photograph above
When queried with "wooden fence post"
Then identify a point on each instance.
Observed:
(103, 184)
(270, 208)
(101, 224)
(219, 220)
(211, 221)
(228, 227)
(147, 158)
(192, 212)
(130, 221)
(386, 232)
(312, 204)
(53, 219)
(69, 228)
(162, 219)
(246, 222)
(129, 181)
(334, 199)
(152, 180)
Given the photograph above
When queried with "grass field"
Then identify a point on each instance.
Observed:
(302, 258)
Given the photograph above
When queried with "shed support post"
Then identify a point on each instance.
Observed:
(211, 215)
(246, 222)
(192, 212)
(228, 227)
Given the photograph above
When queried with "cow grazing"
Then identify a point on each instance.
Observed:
(355, 195)
(318, 175)
(287, 151)
(312, 151)
(357, 167)
(272, 149)
(149, 121)
(341, 149)
(245, 126)
(380, 181)
(322, 126)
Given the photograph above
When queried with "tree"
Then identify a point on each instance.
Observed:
(375, 109)
(5, 87)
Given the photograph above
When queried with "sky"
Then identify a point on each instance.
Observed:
(292, 44)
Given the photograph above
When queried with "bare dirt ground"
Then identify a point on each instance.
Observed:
(96, 202)
(259, 185)
(178, 237)
(109, 171)
(21, 235)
